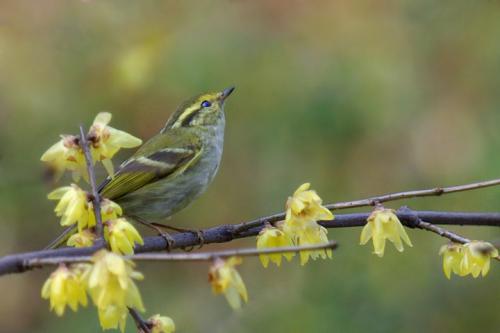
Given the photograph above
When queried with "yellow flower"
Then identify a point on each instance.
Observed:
(107, 141)
(271, 237)
(161, 324)
(84, 238)
(110, 210)
(66, 154)
(383, 224)
(122, 236)
(453, 255)
(72, 206)
(305, 233)
(305, 204)
(113, 316)
(64, 287)
(476, 258)
(110, 282)
(226, 279)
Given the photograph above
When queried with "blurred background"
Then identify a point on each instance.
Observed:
(358, 98)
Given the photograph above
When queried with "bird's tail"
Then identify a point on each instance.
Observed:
(62, 238)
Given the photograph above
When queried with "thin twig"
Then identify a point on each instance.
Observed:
(443, 232)
(141, 324)
(373, 201)
(437, 191)
(446, 234)
(198, 256)
(96, 198)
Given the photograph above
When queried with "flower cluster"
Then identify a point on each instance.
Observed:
(300, 228)
(122, 236)
(75, 207)
(226, 279)
(65, 287)
(106, 141)
(109, 281)
(384, 224)
(66, 154)
(270, 237)
(472, 258)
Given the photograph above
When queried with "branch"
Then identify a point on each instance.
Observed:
(16, 263)
(437, 191)
(443, 232)
(373, 201)
(142, 325)
(96, 198)
(198, 256)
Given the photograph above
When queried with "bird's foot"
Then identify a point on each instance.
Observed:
(158, 228)
(199, 234)
(168, 239)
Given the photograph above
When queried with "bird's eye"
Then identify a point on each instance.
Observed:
(206, 104)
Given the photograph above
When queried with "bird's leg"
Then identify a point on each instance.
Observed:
(170, 241)
(199, 233)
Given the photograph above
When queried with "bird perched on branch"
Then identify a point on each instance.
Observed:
(172, 168)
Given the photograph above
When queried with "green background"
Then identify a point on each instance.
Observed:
(357, 97)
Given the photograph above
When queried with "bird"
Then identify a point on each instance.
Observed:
(174, 167)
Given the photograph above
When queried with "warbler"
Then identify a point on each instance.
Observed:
(172, 168)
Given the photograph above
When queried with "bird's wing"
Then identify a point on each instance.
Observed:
(151, 163)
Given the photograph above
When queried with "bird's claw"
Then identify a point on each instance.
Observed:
(169, 240)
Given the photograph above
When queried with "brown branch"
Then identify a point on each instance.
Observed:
(442, 232)
(96, 198)
(197, 256)
(373, 201)
(16, 263)
(437, 191)
(142, 325)
(224, 233)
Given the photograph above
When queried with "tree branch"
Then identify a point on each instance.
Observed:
(16, 263)
(96, 198)
(373, 201)
(142, 325)
(197, 256)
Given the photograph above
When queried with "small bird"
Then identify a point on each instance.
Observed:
(175, 166)
(172, 168)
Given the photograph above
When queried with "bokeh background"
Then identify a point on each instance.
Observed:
(358, 97)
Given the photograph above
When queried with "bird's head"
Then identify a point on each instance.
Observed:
(202, 110)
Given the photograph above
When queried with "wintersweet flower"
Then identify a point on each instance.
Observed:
(476, 258)
(84, 238)
(161, 324)
(64, 287)
(305, 204)
(305, 233)
(113, 316)
(453, 255)
(110, 210)
(383, 224)
(66, 154)
(107, 141)
(110, 282)
(226, 279)
(122, 236)
(271, 237)
(72, 206)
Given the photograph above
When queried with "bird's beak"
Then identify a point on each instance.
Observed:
(225, 93)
